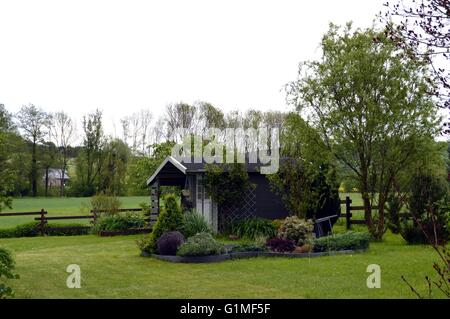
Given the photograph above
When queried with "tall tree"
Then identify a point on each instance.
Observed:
(63, 133)
(180, 116)
(34, 123)
(6, 173)
(372, 108)
(93, 142)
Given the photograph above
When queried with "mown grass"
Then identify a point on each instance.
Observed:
(112, 268)
(56, 206)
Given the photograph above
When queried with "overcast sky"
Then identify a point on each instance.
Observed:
(122, 56)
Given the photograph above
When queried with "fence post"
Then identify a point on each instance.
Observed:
(348, 213)
(42, 223)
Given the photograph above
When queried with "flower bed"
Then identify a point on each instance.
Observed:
(249, 254)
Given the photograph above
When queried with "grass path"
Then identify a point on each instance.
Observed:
(112, 268)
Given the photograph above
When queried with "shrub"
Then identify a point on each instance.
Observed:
(6, 271)
(253, 227)
(281, 245)
(32, 229)
(277, 223)
(104, 203)
(170, 219)
(118, 222)
(201, 244)
(68, 231)
(429, 204)
(249, 247)
(169, 243)
(346, 241)
(296, 229)
(194, 223)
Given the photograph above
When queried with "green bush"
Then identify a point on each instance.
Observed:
(7, 266)
(194, 223)
(170, 219)
(252, 228)
(296, 229)
(346, 241)
(201, 244)
(66, 231)
(32, 230)
(105, 204)
(249, 247)
(23, 230)
(118, 222)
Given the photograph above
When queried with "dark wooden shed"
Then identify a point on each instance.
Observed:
(260, 201)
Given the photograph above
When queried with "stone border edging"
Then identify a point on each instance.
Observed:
(242, 255)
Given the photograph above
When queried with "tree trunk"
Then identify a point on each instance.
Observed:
(46, 181)
(34, 170)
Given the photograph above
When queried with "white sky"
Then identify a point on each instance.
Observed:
(122, 56)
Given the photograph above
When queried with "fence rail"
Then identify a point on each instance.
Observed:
(348, 213)
(43, 219)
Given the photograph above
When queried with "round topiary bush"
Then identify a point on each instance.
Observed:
(169, 242)
(296, 229)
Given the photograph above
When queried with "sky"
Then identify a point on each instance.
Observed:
(123, 56)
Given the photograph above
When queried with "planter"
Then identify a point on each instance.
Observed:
(246, 254)
(193, 259)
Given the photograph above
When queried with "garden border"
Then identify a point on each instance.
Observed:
(245, 254)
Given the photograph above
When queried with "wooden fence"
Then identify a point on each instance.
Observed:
(94, 215)
(348, 213)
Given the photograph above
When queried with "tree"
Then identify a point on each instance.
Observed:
(6, 173)
(180, 116)
(140, 168)
(91, 158)
(112, 179)
(371, 107)
(306, 180)
(63, 133)
(34, 123)
(422, 29)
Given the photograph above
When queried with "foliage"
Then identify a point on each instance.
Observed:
(7, 266)
(201, 244)
(169, 219)
(296, 229)
(113, 172)
(227, 183)
(372, 108)
(102, 203)
(31, 229)
(306, 180)
(169, 243)
(194, 223)
(118, 222)
(140, 168)
(281, 245)
(277, 224)
(345, 241)
(428, 203)
(394, 207)
(251, 228)
(249, 247)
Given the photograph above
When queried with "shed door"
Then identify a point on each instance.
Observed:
(204, 203)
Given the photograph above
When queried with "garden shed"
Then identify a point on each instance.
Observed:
(259, 201)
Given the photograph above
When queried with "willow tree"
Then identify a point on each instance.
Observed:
(372, 107)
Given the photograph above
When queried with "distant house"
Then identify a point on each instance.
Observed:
(54, 176)
(258, 202)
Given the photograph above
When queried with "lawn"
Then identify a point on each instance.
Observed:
(56, 206)
(112, 268)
